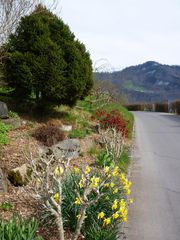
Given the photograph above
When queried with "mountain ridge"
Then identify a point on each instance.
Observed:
(147, 82)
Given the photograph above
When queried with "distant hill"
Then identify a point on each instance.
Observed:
(147, 82)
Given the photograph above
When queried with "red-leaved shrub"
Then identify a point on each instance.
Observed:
(113, 119)
(48, 135)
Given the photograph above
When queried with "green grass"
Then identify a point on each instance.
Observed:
(79, 133)
(124, 160)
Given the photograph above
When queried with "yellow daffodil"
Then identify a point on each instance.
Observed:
(115, 171)
(95, 182)
(106, 185)
(115, 205)
(106, 169)
(124, 219)
(81, 185)
(112, 185)
(107, 221)
(87, 170)
(56, 197)
(131, 200)
(101, 215)
(59, 171)
(115, 191)
(78, 216)
(78, 201)
(115, 215)
(76, 170)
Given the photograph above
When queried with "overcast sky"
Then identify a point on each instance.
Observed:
(126, 32)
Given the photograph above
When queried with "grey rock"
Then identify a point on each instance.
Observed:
(66, 128)
(14, 122)
(3, 182)
(19, 176)
(3, 110)
(68, 149)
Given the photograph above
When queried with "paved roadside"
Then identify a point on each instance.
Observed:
(155, 214)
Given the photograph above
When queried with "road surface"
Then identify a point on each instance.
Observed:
(155, 214)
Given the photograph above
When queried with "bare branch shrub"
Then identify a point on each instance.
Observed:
(113, 141)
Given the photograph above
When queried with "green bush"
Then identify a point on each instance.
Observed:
(19, 228)
(46, 63)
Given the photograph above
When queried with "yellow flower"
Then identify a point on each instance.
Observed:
(124, 219)
(59, 171)
(115, 205)
(106, 185)
(115, 171)
(122, 203)
(76, 170)
(106, 169)
(115, 191)
(101, 215)
(56, 197)
(107, 221)
(131, 200)
(128, 192)
(112, 185)
(115, 215)
(81, 185)
(78, 201)
(95, 182)
(87, 170)
(78, 216)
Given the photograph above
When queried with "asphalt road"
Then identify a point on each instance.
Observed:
(155, 214)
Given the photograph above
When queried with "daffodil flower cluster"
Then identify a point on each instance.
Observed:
(117, 184)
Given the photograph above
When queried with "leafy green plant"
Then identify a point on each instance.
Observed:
(4, 128)
(124, 160)
(13, 114)
(104, 159)
(79, 133)
(19, 228)
(6, 206)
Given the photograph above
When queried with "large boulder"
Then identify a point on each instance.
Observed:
(3, 110)
(19, 176)
(69, 148)
(14, 122)
(3, 182)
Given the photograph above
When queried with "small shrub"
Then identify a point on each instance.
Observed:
(54, 122)
(48, 135)
(113, 120)
(19, 228)
(104, 159)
